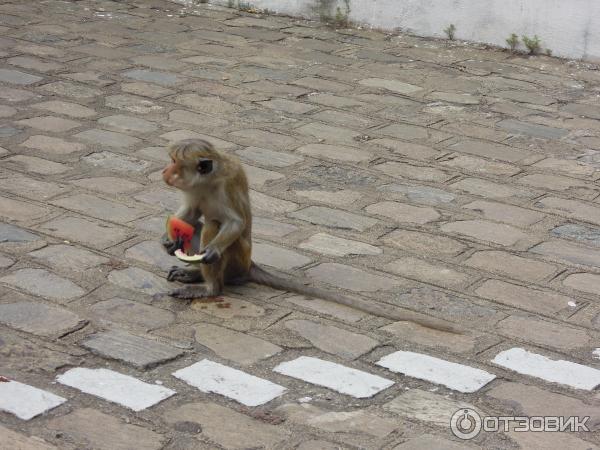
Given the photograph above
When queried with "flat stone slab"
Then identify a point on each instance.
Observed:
(107, 138)
(278, 257)
(135, 350)
(115, 387)
(239, 347)
(26, 402)
(129, 312)
(452, 375)
(17, 441)
(68, 257)
(43, 283)
(331, 339)
(139, 280)
(18, 77)
(11, 233)
(39, 319)
(113, 161)
(345, 380)
(335, 246)
(559, 371)
(268, 157)
(320, 215)
(209, 376)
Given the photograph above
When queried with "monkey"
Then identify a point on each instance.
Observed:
(215, 189)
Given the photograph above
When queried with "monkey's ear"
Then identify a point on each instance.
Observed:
(205, 166)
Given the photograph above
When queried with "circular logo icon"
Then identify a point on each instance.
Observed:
(465, 423)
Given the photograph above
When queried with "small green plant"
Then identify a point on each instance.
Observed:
(231, 3)
(450, 31)
(513, 42)
(245, 6)
(534, 45)
(548, 52)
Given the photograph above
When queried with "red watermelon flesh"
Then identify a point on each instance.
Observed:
(177, 228)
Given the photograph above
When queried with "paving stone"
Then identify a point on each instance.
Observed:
(239, 347)
(511, 265)
(408, 171)
(428, 337)
(341, 197)
(288, 106)
(569, 253)
(333, 340)
(335, 152)
(268, 227)
(236, 308)
(571, 208)
(265, 204)
(190, 118)
(566, 166)
(36, 165)
(480, 166)
(403, 213)
(482, 230)
(278, 257)
(18, 77)
(150, 76)
(358, 421)
(588, 235)
(54, 145)
(18, 441)
(345, 119)
(100, 208)
(268, 158)
(419, 194)
(532, 129)
(206, 104)
(174, 136)
(20, 210)
(563, 372)
(107, 138)
(422, 243)
(452, 375)
(334, 376)
(408, 149)
(501, 212)
(413, 133)
(5, 262)
(334, 101)
(153, 254)
(7, 111)
(12, 233)
(426, 406)
(590, 111)
(332, 309)
(542, 441)
(97, 235)
(122, 311)
(334, 218)
(138, 280)
(257, 177)
(115, 387)
(529, 299)
(97, 430)
(18, 184)
(26, 402)
(133, 103)
(543, 333)
(334, 246)
(135, 350)
(31, 63)
(559, 183)
(351, 278)
(16, 95)
(490, 150)
(212, 377)
(329, 133)
(391, 85)
(39, 319)
(430, 442)
(43, 283)
(127, 124)
(586, 282)
(421, 270)
(227, 428)
(146, 90)
(315, 444)
(107, 185)
(66, 108)
(532, 401)
(74, 90)
(489, 189)
(113, 161)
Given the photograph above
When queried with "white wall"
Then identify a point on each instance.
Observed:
(570, 28)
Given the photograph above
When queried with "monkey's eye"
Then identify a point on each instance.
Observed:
(205, 166)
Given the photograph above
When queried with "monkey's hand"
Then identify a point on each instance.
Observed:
(211, 255)
(171, 246)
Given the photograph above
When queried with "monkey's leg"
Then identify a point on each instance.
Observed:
(185, 275)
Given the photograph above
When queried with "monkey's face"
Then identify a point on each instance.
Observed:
(188, 174)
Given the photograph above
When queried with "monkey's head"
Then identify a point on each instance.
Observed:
(193, 163)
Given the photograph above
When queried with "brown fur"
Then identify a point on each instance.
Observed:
(221, 198)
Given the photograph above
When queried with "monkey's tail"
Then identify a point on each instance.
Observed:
(260, 276)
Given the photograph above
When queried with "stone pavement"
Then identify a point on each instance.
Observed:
(453, 180)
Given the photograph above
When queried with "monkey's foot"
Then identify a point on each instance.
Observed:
(189, 293)
(184, 275)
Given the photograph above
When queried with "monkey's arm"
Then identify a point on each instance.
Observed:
(230, 230)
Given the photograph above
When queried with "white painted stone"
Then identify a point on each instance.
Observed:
(115, 387)
(26, 401)
(452, 375)
(209, 376)
(334, 376)
(555, 371)
(596, 353)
